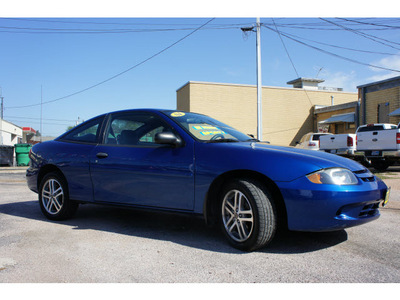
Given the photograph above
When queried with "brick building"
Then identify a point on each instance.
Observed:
(379, 101)
(342, 118)
(288, 112)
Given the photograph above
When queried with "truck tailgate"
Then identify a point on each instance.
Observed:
(377, 140)
(337, 141)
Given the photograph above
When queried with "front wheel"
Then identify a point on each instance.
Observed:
(248, 215)
(54, 198)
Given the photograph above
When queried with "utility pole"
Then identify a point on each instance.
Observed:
(259, 84)
(41, 112)
(2, 104)
(2, 107)
(1, 120)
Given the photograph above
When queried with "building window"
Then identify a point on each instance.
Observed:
(383, 112)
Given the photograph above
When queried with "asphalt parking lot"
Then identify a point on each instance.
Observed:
(108, 244)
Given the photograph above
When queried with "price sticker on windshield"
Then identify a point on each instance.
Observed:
(214, 132)
(177, 114)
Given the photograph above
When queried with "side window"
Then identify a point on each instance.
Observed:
(150, 136)
(87, 132)
(135, 129)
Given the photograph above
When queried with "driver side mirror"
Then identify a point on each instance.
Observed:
(168, 138)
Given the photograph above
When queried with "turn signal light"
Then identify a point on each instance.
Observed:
(315, 178)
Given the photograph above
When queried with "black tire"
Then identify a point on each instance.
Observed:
(380, 165)
(248, 214)
(54, 198)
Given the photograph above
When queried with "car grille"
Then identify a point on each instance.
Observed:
(368, 179)
(369, 210)
(363, 171)
(361, 210)
(365, 175)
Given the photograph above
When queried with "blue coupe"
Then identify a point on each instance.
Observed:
(187, 162)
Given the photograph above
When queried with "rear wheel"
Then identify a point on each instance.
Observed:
(248, 214)
(54, 198)
(380, 165)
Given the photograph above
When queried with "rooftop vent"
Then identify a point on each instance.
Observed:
(306, 83)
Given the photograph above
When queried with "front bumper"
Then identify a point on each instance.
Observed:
(342, 151)
(378, 153)
(323, 207)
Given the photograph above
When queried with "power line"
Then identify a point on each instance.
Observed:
(119, 74)
(143, 27)
(367, 36)
(325, 26)
(291, 25)
(341, 47)
(284, 46)
(30, 118)
(291, 61)
(114, 23)
(33, 30)
(369, 23)
(333, 54)
(38, 122)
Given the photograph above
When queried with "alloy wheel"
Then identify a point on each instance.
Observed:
(52, 196)
(237, 216)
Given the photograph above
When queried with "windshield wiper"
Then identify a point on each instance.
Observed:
(252, 140)
(223, 141)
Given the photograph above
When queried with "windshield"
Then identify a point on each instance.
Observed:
(206, 129)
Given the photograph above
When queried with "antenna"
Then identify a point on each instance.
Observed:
(319, 72)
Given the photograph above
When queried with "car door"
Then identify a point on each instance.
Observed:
(72, 155)
(130, 168)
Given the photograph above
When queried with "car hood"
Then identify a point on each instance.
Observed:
(277, 162)
(315, 157)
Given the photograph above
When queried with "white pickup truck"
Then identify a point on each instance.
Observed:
(341, 144)
(379, 143)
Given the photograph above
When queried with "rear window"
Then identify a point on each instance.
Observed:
(316, 137)
(373, 128)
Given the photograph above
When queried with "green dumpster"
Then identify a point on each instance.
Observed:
(22, 154)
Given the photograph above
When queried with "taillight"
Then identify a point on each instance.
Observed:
(356, 141)
(397, 137)
(349, 141)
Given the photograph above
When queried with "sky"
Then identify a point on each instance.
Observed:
(80, 63)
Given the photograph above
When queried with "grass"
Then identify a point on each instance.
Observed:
(383, 175)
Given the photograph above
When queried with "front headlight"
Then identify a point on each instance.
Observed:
(338, 176)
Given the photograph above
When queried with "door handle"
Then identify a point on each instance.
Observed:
(102, 155)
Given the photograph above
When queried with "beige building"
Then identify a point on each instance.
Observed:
(288, 112)
(380, 101)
